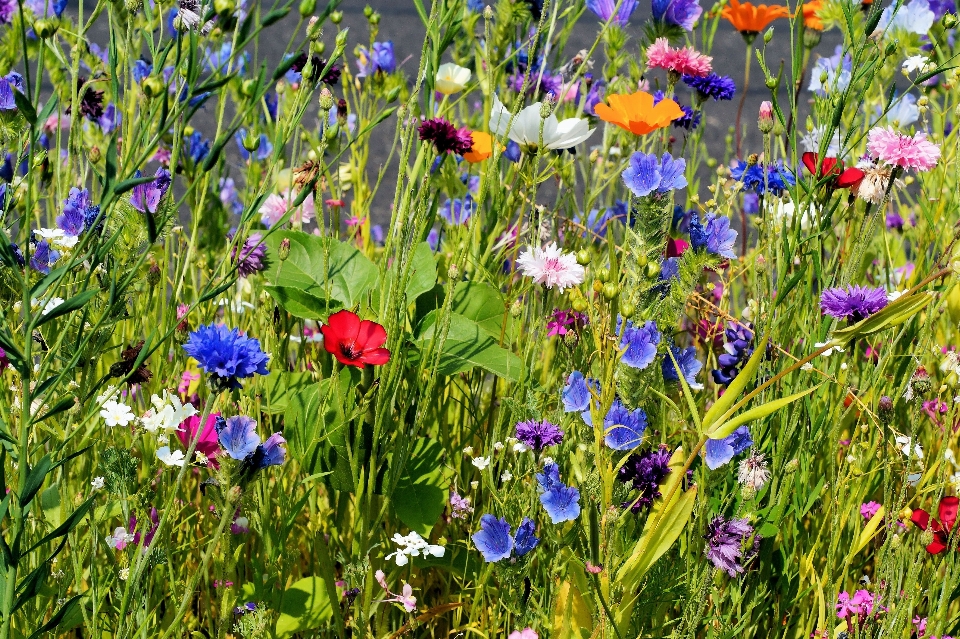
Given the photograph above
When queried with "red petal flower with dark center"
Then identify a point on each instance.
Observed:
(842, 178)
(941, 527)
(354, 342)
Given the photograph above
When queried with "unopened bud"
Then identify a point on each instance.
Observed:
(516, 309)
(949, 20)
(393, 94)
(251, 142)
(768, 35)
(367, 11)
(326, 99)
(610, 290)
(283, 252)
(765, 121)
(627, 309)
(791, 466)
(341, 40)
(488, 12)
(885, 410)
(571, 339)
(580, 305)
(153, 86)
(248, 88)
(583, 257)
(890, 49)
(307, 7)
(94, 155)
(546, 108)
(336, 17)
(45, 28)
(453, 272)
(748, 491)
(374, 19)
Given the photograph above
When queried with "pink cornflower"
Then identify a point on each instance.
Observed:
(897, 149)
(276, 206)
(869, 509)
(685, 61)
(551, 266)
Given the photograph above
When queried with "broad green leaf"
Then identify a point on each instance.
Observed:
(483, 304)
(302, 303)
(278, 389)
(723, 430)
(50, 504)
(893, 314)
(305, 606)
(468, 346)
(423, 272)
(421, 492)
(657, 540)
(726, 401)
(869, 530)
(571, 615)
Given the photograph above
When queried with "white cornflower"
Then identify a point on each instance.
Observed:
(481, 462)
(451, 78)
(525, 130)
(753, 471)
(551, 266)
(174, 458)
(413, 545)
(97, 483)
(116, 414)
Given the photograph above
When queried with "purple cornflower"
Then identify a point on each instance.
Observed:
(894, 221)
(853, 303)
(538, 435)
(445, 137)
(379, 59)
(718, 87)
(647, 174)
(561, 502)
(681, 13)
(640, 343)
(10, 83)
(645, 471)
(146, 197)
(714, 235)
(690, 119)
(253, 256)
(623, 427)
(688, 363)
(778, 177)
(719, 452)
(564, 322)
(238, 436)
(869, 509)
(737, 350)
(226, 355)
(729, 544)
(8, 9)
(78, 214)
(494, 540)
(91, 101)
(460, 507)
(604, 9)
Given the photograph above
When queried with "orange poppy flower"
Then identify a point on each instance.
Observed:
(751, 20)
(810, 18)
(636, 112)
(482, 147)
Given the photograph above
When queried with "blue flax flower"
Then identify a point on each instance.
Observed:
(238, 436)
(647, 174)
(378, 59)
(226, 355)
(689, 366)
(576, 395)
(719, 452)
(640, 343)
(623, 427)
(494, 540)
(681, 13)
(604, 9)
(714, 235)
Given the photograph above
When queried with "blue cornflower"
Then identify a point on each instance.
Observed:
(226, 355)
(196, 147)
(690, 119)
(10, 83)
(623, 427)
(640, 343)
(263, 151)
(713, 236)
(526, 539)
(647, 174)
(512, 151)
(604, 9)
(494, 540)
(78, 214)
(718, 87)
(378, 59)
(689, 366)
(720, 451)
(682, 13)
(238, 435)
(778, 177)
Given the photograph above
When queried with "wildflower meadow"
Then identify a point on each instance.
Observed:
(300, 337)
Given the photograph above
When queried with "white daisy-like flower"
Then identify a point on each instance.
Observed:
(916, 63)
(525, 130)
(468, 450)
(520, 447)
(481, 462)
(551, 267)
(97, 483)
(167, 413)
(170, 458)
(451, 78)
(506, 475)
(124, 574)
(498, 446)
(413, 545)
(116, 414)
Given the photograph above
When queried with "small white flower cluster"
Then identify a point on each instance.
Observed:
(413, 545)
(914, 453)
(167, 414)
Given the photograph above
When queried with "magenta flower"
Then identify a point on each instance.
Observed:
(208, 443)
(869, 509)
(897, 149)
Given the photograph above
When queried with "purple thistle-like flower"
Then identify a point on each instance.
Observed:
(538, 435)
(714, 235)
(445, 137)
(604, 9)
(729, 544)
(494, 540)
(8, 9)
(689, 366)
(623, 427)
(719, 452)
(526, 539)
(718, 87)
(853, 303)
(737, 349)
(647, 173)
(640, 343)
(226, 355)
(9, 84)
(253, 256)
(645, 470)
(894, 221)
(564, 322)
(682, 13)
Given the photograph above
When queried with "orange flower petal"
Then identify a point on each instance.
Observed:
(482, 147)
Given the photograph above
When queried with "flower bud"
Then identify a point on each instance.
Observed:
(926, 537)
(949, 20)
(307, 7)
(627, 309)
(895, 541)
(133, 6)
(583, 257)
(95, 155)
(597, 286)
(154, 275)
(453, 271)
(580, 305)
(610, 290)
(920, 382)
(318, 47)
(336, 17)
(546, 108)
(603, 274)
(653, 270)
(571, 339)
(811, 38)
(367, 11)
(748, 492)
(341, 40)
(890, 49)
(393, 94)
(374, 19)
(771, 82)
(488, 12)
(251, 142)
(224, 7)
(516, 309)
(885, 410)
(768, 35)
(791, 466)
(283, 252)
(45, 28)
(326, 99)
(153, 86)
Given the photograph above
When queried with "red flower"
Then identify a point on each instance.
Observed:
(941, 528)
(354, 342)
(842, 179)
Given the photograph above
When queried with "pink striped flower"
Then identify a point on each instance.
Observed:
(685, 61)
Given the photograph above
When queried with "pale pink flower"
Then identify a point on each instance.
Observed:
(526, 633)
(551, 266)
(895, 148)
(685, 61)
(405, 598)
(277, 205)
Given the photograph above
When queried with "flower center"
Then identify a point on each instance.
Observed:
(350, 350)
